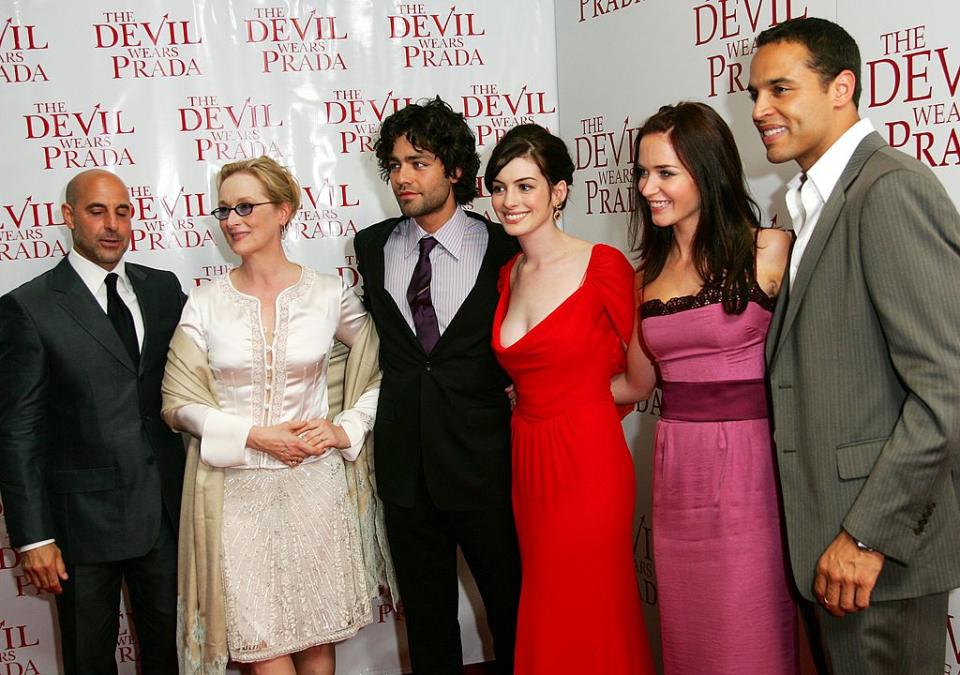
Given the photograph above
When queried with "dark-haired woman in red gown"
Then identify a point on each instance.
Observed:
(566, 311)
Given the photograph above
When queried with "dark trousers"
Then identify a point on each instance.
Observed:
(897, 637)
(88, 611)
(423, 543)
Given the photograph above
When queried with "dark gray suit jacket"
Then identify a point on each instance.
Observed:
(84, 455)
(863, 357)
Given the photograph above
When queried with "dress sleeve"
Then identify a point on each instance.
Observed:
(358, 420)
(353, 315)
(614, 279)
(223, 437)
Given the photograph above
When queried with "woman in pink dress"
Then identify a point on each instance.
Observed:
(708, 280)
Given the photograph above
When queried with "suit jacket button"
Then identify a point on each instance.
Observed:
(151, 459)
(427, 367)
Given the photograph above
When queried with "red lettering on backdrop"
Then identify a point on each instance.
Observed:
(364, 115)
(229, 132)
(734, 23)
(608, 156)
(293, 44)
(436, 40)
(493, 112)
(19, 58)
(909, 71)
(150, 49)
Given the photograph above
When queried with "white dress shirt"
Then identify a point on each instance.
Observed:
(93, 277)
(806, 194)
(455, 263)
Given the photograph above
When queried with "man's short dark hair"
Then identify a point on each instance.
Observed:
(832, 49)
(431, 124)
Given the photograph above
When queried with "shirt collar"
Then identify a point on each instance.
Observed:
(826, 172)
(449, 236)
(92, 274)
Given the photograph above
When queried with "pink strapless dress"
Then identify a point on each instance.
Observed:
(723, 589)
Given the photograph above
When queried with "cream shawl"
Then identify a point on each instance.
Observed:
(201, 622)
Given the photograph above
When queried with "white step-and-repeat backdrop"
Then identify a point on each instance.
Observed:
(618, 61)
(165, 92)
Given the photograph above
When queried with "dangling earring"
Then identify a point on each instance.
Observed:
(556, 213)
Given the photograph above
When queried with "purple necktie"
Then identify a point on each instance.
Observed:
(418, 295)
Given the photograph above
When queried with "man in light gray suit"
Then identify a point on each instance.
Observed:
(863, 357)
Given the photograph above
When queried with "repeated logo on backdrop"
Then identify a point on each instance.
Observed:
(22, 650)
(603, 152)
(594, 9)
(22, 52)
(30, 228)
(295, 44)
(732, 25)
(19, 648)
(146, 49)
(491, 109)
(431, 37)
(223, 131)
(163, 221)
(925, 77)
(326, 210)
(357, 116)
(71, 137)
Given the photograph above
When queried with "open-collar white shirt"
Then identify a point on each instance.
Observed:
(807, 193)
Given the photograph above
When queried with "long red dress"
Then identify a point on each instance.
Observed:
(573, 481)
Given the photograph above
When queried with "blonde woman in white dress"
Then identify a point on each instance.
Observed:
(292, 568)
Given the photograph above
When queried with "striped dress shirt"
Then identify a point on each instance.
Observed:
(462, 243)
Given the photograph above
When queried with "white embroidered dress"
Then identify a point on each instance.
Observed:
(292, 564)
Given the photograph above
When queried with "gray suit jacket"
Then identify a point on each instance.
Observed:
(863, 356)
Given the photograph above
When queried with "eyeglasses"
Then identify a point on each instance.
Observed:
(242, 209)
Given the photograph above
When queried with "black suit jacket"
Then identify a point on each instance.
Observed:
(443, 413)
(84, 455)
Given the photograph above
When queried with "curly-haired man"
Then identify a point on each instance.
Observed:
(443, 423)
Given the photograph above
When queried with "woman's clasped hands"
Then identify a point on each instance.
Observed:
(292, 442)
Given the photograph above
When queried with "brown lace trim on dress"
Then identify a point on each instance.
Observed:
(708, 295)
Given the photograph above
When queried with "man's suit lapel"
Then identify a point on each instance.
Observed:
(79, 304)
(829, 217)
(374, 281)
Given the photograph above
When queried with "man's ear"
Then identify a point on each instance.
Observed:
(455, 176)
(66, 210)
(843, 86)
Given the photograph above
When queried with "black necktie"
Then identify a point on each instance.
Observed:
(418, 295)
(121, 318)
